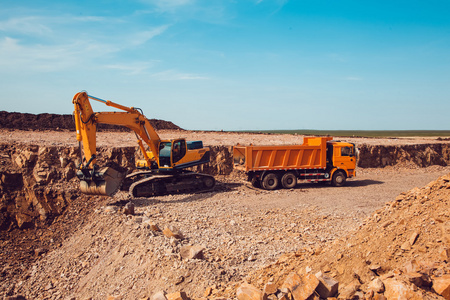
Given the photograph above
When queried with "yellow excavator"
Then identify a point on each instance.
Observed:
(163, 169)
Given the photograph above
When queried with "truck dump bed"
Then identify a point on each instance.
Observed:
(309, 155)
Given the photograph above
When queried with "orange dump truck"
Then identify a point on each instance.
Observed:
(317, 159)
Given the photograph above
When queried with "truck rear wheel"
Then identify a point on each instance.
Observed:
(338, 179)
(270, 181)
(289, 180)
(255, 182)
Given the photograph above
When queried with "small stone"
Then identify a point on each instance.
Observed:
(413, 238)
(177, 296)
(129, 208)
(39, 251)
(110, 209)
(348, 291)
(179, 280)
(191, 252)
(248, 292)
(328, 287)
(270, 288)
(375, 268)
(301, 287)
(441, 285)
(151, 225)
(172, 231)
(376, 285)
(161, 295)
(395, 289)
(418, 279)
(406, 246)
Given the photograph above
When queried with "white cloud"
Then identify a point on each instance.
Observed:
(135, 68)
(175, 75)
(353, 78)
(142, 37)
(169, 5)
(46, 58)
(31, 25)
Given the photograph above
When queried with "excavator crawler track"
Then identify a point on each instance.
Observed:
(150, 184)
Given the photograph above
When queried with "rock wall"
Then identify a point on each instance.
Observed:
(37, 183)
(422, 155)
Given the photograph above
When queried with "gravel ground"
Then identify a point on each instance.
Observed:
(241, 229)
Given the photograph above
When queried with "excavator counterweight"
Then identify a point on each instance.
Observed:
(163, 170)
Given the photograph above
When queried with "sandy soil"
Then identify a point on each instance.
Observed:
(209, 138)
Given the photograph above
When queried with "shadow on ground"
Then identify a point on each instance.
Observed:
(220, 187)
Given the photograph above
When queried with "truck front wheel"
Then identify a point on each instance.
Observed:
(338, 179)
(270, 181)
(289, 180)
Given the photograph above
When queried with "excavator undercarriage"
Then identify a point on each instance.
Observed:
(150, 184)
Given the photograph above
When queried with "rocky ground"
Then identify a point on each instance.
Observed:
(207, 245)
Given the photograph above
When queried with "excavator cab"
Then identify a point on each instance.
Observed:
(171, 152)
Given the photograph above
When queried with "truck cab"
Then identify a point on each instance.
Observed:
(341, 156)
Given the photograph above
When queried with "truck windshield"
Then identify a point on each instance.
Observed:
(347, 151)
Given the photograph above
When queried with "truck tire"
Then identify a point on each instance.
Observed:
(270, 181)
(255, 182)
(338, 179)
(289, 180)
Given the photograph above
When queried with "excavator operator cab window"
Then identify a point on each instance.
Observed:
(164, 154)
(179, 150)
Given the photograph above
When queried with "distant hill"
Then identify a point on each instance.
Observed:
(25, 121)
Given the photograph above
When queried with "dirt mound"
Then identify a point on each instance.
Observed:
(25, 121)
(406, 244)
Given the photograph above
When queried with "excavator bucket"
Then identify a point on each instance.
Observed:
(104, 182)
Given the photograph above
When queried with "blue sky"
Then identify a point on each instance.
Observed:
(233, 65)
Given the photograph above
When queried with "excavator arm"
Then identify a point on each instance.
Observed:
(86, 121)
(105, 181)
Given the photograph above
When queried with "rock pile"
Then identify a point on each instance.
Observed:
(400, 252)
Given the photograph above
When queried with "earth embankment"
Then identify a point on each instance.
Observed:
(45, 121)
